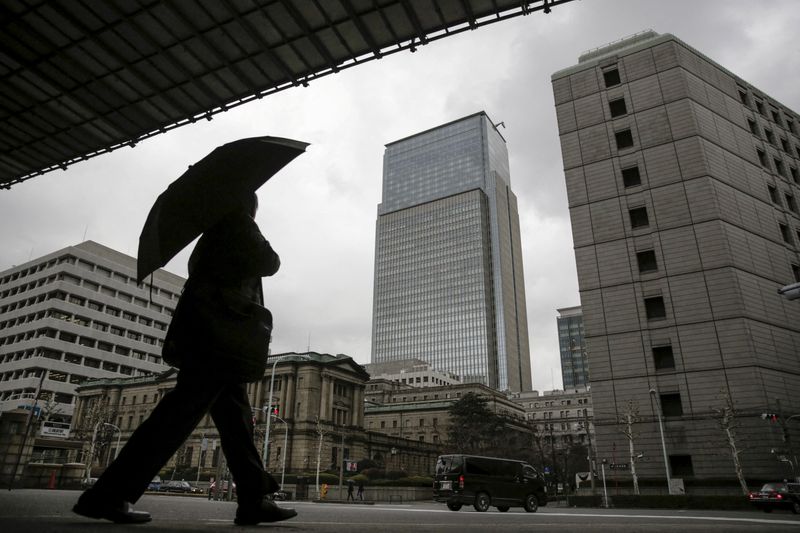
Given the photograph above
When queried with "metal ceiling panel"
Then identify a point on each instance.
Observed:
(79, 78)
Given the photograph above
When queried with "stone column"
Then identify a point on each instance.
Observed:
(323, 398)
(291, 398)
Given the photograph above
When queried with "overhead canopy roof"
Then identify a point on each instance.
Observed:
(83, 77)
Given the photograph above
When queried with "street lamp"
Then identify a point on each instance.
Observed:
(265, 454)
(663, 442)
(285, 442)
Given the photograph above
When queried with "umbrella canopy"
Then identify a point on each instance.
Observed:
(205, 193)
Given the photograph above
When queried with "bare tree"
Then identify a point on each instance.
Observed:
(96, 413)
(726, 416)
(629, 417)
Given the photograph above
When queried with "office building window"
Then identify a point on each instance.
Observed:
(743, 97)
(775, 116)
(785, 144)
(671, 404)
(790, 126)
(785, 234)
(796, 272)
(753, 126)
(760, 107)
(639, 217)
(647, 261)
(611, 77)
(791, 203)
(624, 139)
(780, 167)
(631, 176)
(773, 194)
(770, 136)
(681, 465)
(654, 307)
(762, 158)
(617, 107)
(663, 358)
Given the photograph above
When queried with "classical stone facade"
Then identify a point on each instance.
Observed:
(313, 393)
(414, 372)
(683, 192)
(561, 417)
(422, 414)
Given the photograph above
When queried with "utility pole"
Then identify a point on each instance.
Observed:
(27, 431)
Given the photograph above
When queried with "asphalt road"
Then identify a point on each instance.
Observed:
(45, 511)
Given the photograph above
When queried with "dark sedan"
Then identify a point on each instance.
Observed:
(777, 496)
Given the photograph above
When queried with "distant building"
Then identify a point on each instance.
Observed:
(312, 392)
(562, 417)
(683, 189)
(574, 361)
(414, 372)
(422, 414)
(449, 285)
(78, 314)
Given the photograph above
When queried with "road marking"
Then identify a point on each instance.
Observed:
(598, 515)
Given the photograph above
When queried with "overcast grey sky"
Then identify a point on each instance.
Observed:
(319, 213)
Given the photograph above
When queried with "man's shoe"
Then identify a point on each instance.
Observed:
(265, 511)
(119, 512)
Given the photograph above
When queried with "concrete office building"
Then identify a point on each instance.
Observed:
(683, 192)
(76, 314)
(414, 372)
(571, 345)
(449, 285)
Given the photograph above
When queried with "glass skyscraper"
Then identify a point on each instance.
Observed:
(574, 361)
(449, 286)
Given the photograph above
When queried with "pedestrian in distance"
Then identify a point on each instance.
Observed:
(225, 269)
(350, 490)
(361, 490)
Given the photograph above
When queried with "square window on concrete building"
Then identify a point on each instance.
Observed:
(671, 404)
(790, 126)
(753, 126)
(785, 145)
(611, 77)
(780, 167)
(762, 158)
(631, 176)
(639, 217)
(647, 261)
(796, 271)
(743, 96)
(617, 107)
(624, 139)
(791, 203)
(785, 233)
(773, 194)
(775, 116)
(760, 107)
(663, 358)
(769, 135)
(681, 465)
(654, 307)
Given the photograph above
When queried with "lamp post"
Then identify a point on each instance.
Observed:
(663, 442)
(265, 454)
(285, 442)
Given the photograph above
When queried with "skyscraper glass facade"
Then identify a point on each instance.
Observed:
(447, 234)
(574, 360)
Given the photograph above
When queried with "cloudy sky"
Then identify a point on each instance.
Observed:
(320, 212)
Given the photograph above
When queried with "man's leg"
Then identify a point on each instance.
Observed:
(233, 417)
(151, 445)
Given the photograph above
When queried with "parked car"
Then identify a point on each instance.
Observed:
(777, 496)
(155, 484)
(487, 481)
(88, 482)
(176, 486)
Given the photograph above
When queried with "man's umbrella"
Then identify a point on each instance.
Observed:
(205, 193)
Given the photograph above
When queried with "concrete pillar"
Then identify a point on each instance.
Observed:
(290, 396)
